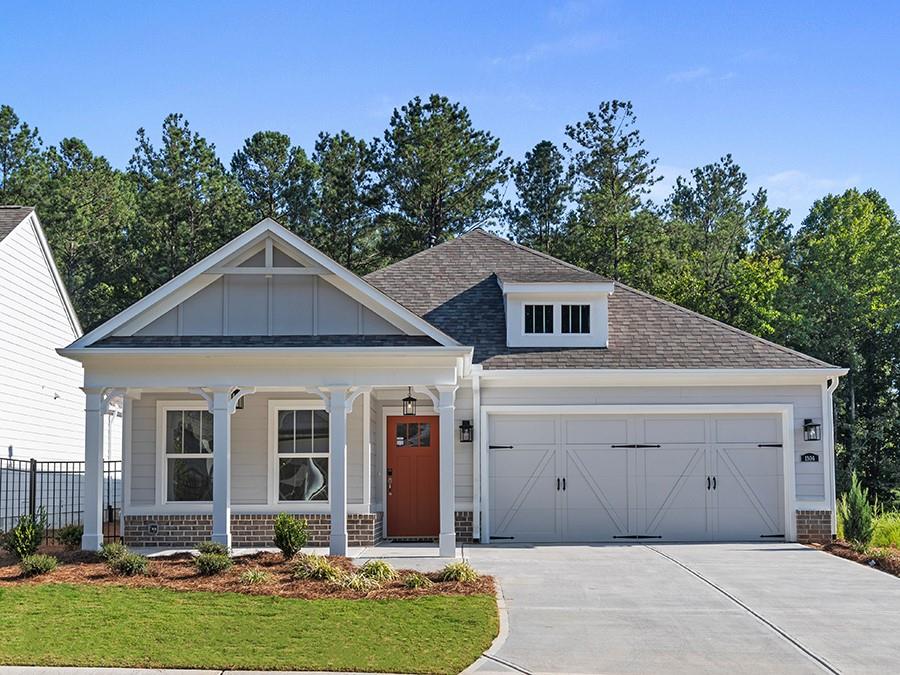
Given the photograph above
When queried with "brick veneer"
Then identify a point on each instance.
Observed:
(814, 527)
(464, 527)
(248, 530)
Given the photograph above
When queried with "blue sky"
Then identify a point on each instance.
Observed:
(805, 95)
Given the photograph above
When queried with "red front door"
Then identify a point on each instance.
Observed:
(413, 476)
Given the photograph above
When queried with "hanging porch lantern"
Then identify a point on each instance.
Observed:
(409, 403)
(465, 431)
(811, 430)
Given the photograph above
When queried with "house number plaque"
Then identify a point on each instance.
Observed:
(809, 457)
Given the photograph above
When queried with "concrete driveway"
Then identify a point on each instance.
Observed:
(690, 608)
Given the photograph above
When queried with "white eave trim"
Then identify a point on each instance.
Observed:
(557, 288)
(658, 376)
(248, 238)
(80, 353)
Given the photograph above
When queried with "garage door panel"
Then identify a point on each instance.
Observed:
(748, 429)
(674, 494)
(592, 431)
(596, 495)
(753, 461)
(674, 430)
(747, 503)
(523, 430)
(523, 494)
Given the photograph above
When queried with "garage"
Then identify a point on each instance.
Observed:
(607, 477)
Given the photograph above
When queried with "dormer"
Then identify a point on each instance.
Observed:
(556, 314)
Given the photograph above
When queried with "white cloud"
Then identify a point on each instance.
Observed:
(574, 44)
(797, 190)
(701, 74)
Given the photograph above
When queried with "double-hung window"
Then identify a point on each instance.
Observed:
(301, 454)
(188, 455)
(576, 318)
(538, 319)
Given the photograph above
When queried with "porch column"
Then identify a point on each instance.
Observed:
(221, 407)
(336, 400)
(92, 538)
(446, 409)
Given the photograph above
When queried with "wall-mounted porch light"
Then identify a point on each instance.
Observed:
(465, 431)
(811, 430)
(409, 403)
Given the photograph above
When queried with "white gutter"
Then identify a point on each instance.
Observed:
(476, 453)
(659, 376)
(828, 423)
(78, 353)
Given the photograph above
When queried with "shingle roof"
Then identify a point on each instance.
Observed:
(10, 217)
(213, 341)
(454, 286)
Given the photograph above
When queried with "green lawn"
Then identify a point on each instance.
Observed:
(66, 625)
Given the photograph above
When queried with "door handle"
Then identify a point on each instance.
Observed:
(564, 484)
(390, 483)
(714, 482)
(707, 483)
(557, 484)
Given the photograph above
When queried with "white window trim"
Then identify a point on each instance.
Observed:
(162, 466)
(276, 406)
(580, 306)
(555, 313)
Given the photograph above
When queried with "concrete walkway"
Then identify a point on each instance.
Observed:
(700, 608)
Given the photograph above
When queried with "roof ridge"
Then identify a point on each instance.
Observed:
(728, 327)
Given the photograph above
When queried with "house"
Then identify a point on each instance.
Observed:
(41, 402)
(478, 390)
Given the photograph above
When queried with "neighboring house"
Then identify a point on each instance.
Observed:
(41, 402)
(550, 405)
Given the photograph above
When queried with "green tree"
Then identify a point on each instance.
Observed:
(277, 177)
(87, 208)
(847, 293)
(612, 230)
(441, 175)
(20, 152)
(543, 188)
(348, 201)
(188, 204)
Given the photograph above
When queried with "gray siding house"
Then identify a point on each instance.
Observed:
(478, 390)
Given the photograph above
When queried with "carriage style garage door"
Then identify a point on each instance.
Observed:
(579, 478)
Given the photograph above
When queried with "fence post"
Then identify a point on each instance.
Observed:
(32, 488)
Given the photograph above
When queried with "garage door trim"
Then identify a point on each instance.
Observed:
(786, 412)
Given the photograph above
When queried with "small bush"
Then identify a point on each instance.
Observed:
(458, 571)
(255, 577)
(417, 580)
(209, 564)
(378, 570)
(23, 540)
(291, 534)
(112, 551)
(130, 565)
(356, 582)
(886, 532)
(316, 567)
(70, 536)
(856, 513)
(37, 564)
(213, 547)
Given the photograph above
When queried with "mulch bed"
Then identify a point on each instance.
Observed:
(178, 572)
(884, 559)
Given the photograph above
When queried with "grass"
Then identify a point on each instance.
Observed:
(71, 625)
(887, 530)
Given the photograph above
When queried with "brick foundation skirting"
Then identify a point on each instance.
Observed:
(814, 527)
(247, 530)
(463, 527)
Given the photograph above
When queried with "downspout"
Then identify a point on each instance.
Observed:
(828, 411)
(476, 453)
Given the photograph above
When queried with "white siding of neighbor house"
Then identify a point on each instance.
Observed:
(806, 399)
(41, 403)
(249, 304)
(250, 452)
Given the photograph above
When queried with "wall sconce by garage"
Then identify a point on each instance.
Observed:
(811, 430)
(409, 403)
(465, 431)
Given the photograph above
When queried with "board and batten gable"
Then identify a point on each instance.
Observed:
(41, 403)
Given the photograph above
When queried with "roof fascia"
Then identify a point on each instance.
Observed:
(557, 288)
(660, 377)
(54, 271)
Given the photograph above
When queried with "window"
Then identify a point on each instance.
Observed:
(576, 318)
(302, 455)
(538, 319)
(188, 455)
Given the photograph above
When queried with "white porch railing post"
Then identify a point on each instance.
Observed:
(220, 406)
(92, 538)
(337, 478)
(446, 410)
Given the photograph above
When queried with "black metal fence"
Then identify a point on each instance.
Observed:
(28, 485)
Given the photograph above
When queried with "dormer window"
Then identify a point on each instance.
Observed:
(538, 319)
(576, 319)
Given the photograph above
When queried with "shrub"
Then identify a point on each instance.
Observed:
(856, 513)
(458, 571)
(356, 582)
(291, 534)
(255, 576)
(887, 530)
(130, 565)
(23, 540)
(37, 564)
(378, 570)
(417, 580)
(112, 551)
(316, 567)
(70, 536)
(213, 547)
(209, 564)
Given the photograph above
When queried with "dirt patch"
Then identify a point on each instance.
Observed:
(884, 559)
(178, 572)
